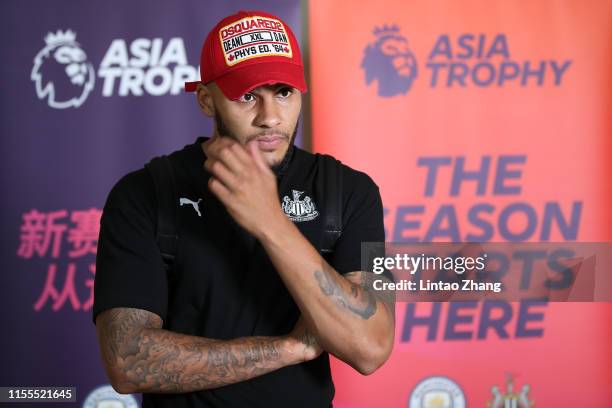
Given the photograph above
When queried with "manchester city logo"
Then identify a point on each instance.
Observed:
(438, 392)
(299, 210)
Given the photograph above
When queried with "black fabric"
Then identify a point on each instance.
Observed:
(329, 186)
(166, 235)
(330, 183)
(224, 285)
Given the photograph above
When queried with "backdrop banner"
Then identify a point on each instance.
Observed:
(90, 91)
(483, 122)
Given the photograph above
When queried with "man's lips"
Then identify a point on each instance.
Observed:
(269, 142)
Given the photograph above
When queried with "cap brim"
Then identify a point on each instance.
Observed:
(191, 86)
(236, 83)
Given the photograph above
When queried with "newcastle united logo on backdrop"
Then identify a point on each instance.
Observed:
(299, 210)
(62, 74)
(511, 398)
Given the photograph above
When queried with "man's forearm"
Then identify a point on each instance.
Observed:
(350, 321)
(175, 363)
(155, 360)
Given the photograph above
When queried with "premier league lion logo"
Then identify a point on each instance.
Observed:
(61, 72)
(390, 61)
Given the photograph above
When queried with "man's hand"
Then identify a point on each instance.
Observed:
(243, 182)
(304, 342)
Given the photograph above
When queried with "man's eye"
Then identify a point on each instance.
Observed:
(247, 97)
(285, 92)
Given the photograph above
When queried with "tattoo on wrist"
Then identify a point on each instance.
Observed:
(308, 339)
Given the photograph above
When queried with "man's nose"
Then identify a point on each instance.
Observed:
(268, 114)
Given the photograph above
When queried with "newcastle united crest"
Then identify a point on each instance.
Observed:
(511, 398)
(299, 210)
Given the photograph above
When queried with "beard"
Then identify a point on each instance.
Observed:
(279, 167)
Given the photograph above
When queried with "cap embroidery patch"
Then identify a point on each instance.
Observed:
(254, 37)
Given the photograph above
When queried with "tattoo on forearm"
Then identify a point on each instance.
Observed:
(156, 360)
(360, 302)
(387, 297)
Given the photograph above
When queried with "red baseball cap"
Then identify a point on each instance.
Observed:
(250, 49)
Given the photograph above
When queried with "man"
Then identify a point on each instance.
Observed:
(250, 308)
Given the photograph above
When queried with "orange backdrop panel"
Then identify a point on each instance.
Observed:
(474, 97)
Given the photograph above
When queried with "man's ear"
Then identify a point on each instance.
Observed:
(205, 100)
